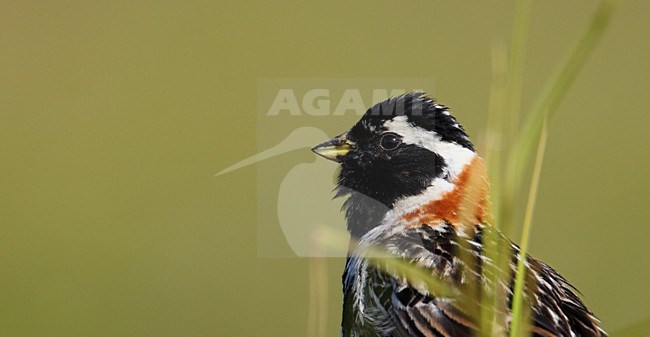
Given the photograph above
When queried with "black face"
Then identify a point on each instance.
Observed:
(385, 169)
(380, 168)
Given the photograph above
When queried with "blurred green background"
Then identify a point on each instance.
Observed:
(115, 116)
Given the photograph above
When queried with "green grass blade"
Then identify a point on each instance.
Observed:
(516, 58)
(558, 88)
(536, 132)
(505, 100)
(414, 275)
(518, 310)
(333, 239)
(493, 141)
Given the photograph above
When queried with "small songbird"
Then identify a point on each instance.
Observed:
(417, 190)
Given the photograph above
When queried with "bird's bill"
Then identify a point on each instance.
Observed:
(334, 149)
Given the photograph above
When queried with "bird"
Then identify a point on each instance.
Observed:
(416, 189)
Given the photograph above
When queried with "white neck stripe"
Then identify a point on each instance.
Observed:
(456, 158)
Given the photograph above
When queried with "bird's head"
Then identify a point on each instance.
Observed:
(409, 154)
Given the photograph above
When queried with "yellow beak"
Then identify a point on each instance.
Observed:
(334, 149)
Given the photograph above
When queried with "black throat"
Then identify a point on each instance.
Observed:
(362, 213)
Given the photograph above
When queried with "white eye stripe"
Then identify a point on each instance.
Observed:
(455, 156)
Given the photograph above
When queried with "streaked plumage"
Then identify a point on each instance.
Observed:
(416, 189)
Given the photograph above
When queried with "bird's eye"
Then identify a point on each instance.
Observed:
(390, 141)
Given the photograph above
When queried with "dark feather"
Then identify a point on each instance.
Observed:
(557, 311)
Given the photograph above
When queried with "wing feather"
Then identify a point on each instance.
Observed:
(401, 309)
